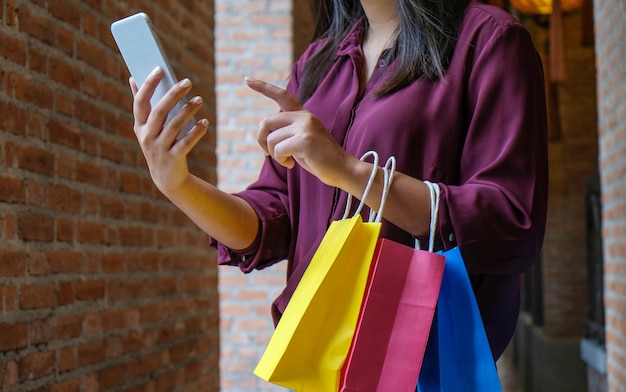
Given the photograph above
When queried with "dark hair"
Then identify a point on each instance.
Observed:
(426, 37)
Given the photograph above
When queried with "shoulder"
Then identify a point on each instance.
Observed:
(487, 27)
(478, 15)
(482, 22)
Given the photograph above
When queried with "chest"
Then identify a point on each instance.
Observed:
(417, 124)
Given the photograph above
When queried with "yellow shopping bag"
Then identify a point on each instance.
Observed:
(312, 339)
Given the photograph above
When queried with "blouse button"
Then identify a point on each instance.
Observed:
(381, 63)
(452, 237)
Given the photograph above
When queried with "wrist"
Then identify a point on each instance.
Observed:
(173, 188)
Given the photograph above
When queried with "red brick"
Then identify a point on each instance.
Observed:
(112, 319)
(13, 49)
(12, 263)
(64, 198)
(64, 230)
(35, 227)
(90, 290)
(37, 58)
(115, 347)
(63, 71)
(16, 122)
(10, 226)
(88, 112)
(12, 370)
(31, 90)
(66, 359)
(89, 172)
(13, 336)
(150, 313)
(90, 353)
(66, 386)
(37, 296)
(66, 327)
(39, 332)
(10, 297)
(37, 365)
(36, 194)
(132, 341)
(166, 381)
(112, 207)
(65, 261)
(64, 133)
(37, 263)
(90, 232)
(64, 13)
(130, 183)
(35, 159)
(11, 189)
(112, 376)
(67, 293)
(65, 40)
(112, 150)
(93, 325)
(65, 165)
(35, 25)
(149, 363)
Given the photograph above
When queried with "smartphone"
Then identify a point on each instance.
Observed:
(142, 52)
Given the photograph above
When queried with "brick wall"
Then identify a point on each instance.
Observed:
(253, 38)
(104, 285)
(610, 18)
(573, 160)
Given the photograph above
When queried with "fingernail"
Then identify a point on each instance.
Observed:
(156, 71)
(249, 79)
(196, 100)
(185, 83)
(204, 122)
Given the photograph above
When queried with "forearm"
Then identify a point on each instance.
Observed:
(227, 218)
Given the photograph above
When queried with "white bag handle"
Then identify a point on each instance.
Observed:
(435, 193)
(388, 171)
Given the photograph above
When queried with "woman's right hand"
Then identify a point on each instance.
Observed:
(166, 155)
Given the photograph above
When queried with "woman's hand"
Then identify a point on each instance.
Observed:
(165, 154)
(296, 135)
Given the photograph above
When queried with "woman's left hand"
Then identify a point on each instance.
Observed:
(296, 135)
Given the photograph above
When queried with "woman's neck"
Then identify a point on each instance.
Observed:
(380, 35)
(382, 17)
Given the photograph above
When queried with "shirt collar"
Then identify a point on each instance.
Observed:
(353, 39)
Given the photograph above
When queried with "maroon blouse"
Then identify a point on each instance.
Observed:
(480, 133)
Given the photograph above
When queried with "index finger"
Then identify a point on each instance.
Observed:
(285, 101)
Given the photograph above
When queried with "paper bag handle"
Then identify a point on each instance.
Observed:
(435, 193)
(388, 171)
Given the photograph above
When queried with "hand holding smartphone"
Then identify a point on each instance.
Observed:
(142, 52)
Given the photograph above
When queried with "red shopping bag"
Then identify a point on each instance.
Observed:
(395, 320)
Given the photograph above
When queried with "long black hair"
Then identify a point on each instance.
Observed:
(425, 41)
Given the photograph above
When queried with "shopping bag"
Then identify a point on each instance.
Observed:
(396, 316)
(398, 307)
(312, 339)
(458, 356)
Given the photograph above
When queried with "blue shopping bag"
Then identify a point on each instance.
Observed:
(458, 357)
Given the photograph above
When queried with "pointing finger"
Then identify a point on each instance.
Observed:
(285, 101)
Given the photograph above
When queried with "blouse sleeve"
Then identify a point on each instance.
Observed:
(497, 212)
(269, 198)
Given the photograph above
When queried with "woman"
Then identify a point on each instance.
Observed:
(452, 88)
